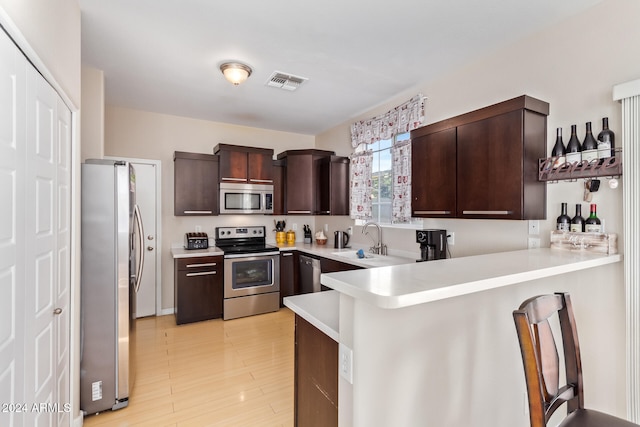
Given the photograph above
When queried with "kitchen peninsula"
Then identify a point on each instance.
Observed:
(434, 344)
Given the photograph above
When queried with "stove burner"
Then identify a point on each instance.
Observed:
(243, 240)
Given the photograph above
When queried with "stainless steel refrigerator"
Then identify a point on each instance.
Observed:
(112, 262)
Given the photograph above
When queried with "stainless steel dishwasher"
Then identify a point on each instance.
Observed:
(309, 274)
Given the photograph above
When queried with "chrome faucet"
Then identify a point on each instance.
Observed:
(378, 247)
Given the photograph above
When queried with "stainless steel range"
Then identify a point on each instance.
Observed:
(251, 271)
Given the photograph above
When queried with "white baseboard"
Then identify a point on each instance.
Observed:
(166, 311)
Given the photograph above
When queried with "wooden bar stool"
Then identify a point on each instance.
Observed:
(541, 364)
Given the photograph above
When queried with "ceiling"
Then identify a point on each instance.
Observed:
(164, 55)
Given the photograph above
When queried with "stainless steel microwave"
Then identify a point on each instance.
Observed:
(246, 198)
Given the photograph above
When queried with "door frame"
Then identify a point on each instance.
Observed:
(158, 165)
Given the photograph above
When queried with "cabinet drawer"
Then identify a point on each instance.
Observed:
(198, 289)
(200, 263)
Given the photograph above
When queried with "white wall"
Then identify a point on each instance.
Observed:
(456, 362)
(138, 134)
(573, 66)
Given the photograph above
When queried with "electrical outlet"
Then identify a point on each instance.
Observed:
(345, 362)
(198, 228)
(534, 242)
(451, 238)
(534, 226)
(294, 227)
(350, 230)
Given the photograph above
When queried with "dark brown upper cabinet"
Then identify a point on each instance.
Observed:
(333, 185)
(482, 164)
(433, 170)
(245, 165)
(195, 184)
(316, 182)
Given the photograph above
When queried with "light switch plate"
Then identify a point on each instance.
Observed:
(534, 226)
(534, 242)
(345, 362)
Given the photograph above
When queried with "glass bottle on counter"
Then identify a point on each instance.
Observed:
(606, 141)
(577, 222)
(559, 151)
(574, 148)
(589, 146)
(593, 223)
(563, 222)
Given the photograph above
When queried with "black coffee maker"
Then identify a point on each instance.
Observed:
(433, 244)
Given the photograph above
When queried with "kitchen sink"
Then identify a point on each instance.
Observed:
(354, 255)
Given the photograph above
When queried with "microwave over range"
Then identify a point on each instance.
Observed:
(246, 198)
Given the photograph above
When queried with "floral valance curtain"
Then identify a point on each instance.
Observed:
(401, 119)
(401, 203)
(361, 185)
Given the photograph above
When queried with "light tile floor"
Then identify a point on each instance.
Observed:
(215, 373)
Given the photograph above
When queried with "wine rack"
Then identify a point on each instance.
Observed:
(611, 167)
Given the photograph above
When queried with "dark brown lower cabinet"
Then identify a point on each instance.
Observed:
(316, 377)
(288, 274)
(198, 289)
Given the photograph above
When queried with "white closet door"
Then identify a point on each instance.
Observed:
(62, 298)
(35, 239)
(12, 244)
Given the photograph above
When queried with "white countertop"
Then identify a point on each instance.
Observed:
(418, 283)
(181, 252)
(321, 309)
(328, 251)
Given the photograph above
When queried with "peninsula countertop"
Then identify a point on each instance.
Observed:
(418, 283)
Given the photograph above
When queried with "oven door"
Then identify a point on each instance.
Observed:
(251, 274)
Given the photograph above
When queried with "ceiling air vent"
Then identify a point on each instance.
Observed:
(285, 81)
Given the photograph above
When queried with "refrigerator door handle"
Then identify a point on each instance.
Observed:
(139, 247)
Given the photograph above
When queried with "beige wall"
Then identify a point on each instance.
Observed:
(92, 127)
(52, 30)
(144, 135)
(559, 65)
(573, 66)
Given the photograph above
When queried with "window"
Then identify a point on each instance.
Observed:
(382, 178)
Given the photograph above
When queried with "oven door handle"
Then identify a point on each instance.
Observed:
(255, 254)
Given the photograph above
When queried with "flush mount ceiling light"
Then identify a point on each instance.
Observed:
(235, 72)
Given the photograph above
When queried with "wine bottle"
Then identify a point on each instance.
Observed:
(563, 222)
(606, 141)
(577, 222)
(573, 147)
(593, 223)
(559, 151)
(589, 146)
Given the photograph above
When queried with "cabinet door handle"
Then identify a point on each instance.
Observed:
(268, 181)
(487, 212)
(298, 212)
(233, 179)
(206, 264)
(432, 212)
(286, 254)
(198, 212)
(202, 273)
